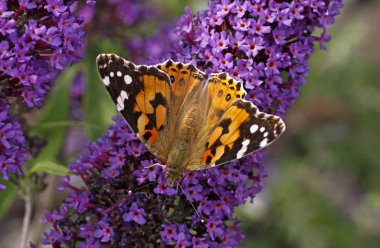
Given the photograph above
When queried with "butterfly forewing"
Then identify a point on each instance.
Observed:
(142, 95)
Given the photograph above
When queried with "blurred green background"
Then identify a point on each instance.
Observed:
(323, 185)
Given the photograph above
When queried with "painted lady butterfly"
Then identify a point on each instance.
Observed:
(185, 120)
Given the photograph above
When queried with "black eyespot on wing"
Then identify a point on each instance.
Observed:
(228, 97)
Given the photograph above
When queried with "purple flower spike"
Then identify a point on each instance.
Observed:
(12, 144)
(253, 42)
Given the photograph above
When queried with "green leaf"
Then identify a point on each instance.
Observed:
(98, 106)
(7, 197)
(49, 167)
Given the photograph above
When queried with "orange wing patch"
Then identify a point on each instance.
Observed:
(223, 90)
(149, 103)
(223, 136)
(149, 93)
(152, 87)
(161, 116)
(149, 134)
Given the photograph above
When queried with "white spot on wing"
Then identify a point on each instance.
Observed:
(106, 81)
(118, 73)
(243, 149)
(264, 142)
(262, 129)
(120, 100)
(112, 74)
(253, 128)
(265, 134)
(127, 79)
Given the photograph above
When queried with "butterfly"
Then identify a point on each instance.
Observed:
(186, 120)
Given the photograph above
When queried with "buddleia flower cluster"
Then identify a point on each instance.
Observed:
(126, 202)
(265, 44)
(38, 39)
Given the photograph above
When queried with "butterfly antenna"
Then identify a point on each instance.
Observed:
(141, 187)
(178, 185)
(155, 164)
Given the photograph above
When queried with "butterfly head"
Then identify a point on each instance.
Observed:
(174, 176)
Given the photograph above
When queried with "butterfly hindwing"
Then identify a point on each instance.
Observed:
(141, 94)
(242, 129)
(219, 93)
